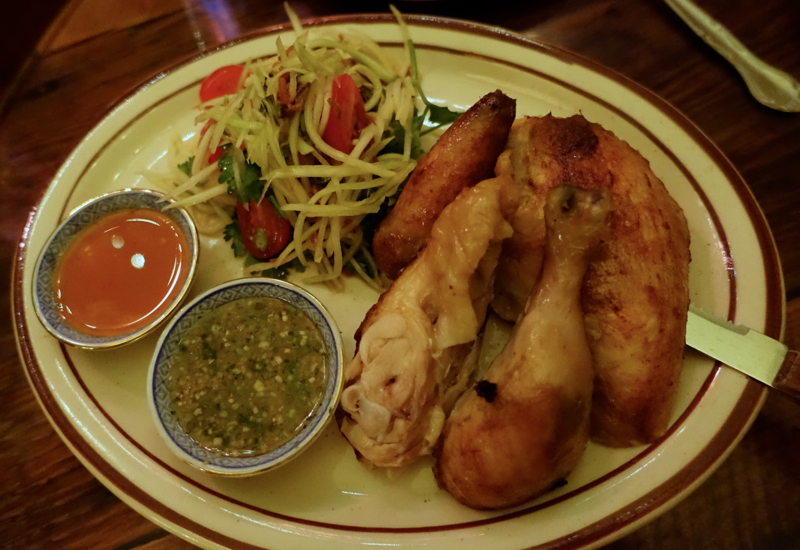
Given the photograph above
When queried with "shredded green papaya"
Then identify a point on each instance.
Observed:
(268, 140)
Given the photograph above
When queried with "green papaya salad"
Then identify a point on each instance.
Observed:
(300, 152)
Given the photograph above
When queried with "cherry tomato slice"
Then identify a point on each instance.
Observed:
(223, 81)
(214, 157)
(348, 116)
(264, 232)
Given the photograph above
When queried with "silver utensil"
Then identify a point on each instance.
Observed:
(769, 85)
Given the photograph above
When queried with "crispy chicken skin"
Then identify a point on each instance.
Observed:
(524, 427)
(464, 155)
(416, 340)
(635, 296)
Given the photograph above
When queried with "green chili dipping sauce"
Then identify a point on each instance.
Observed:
(248, 376)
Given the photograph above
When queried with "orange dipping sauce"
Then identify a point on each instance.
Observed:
(121, 272)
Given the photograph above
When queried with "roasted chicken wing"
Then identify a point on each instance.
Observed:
(635, 296)
(525, 425)
(415, 343)
(464, 155)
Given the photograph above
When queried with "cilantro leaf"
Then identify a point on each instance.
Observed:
(248, 186)
(279, 272)
(233, 234)
(440, 115)
(298, 266)
(435, 115)
(186, 167)
(398, 134)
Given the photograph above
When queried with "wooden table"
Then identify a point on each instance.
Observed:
(96, 52)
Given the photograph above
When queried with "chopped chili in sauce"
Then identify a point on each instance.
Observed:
(248, 376)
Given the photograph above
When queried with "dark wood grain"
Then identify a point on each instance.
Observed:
(49, 500)
(788, 379)
(18, 40)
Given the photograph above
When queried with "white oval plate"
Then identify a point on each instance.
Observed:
(325, 499)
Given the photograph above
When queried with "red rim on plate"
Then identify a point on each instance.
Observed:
(621, 518)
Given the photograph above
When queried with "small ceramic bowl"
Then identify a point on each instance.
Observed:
(47, 305)
(159, 399)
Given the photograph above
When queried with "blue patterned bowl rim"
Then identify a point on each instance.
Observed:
(160, 366)
(79, 219)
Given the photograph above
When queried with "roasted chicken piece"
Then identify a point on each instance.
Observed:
(416, 341)
(635, 296)
(525, 425)
(464, 155)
